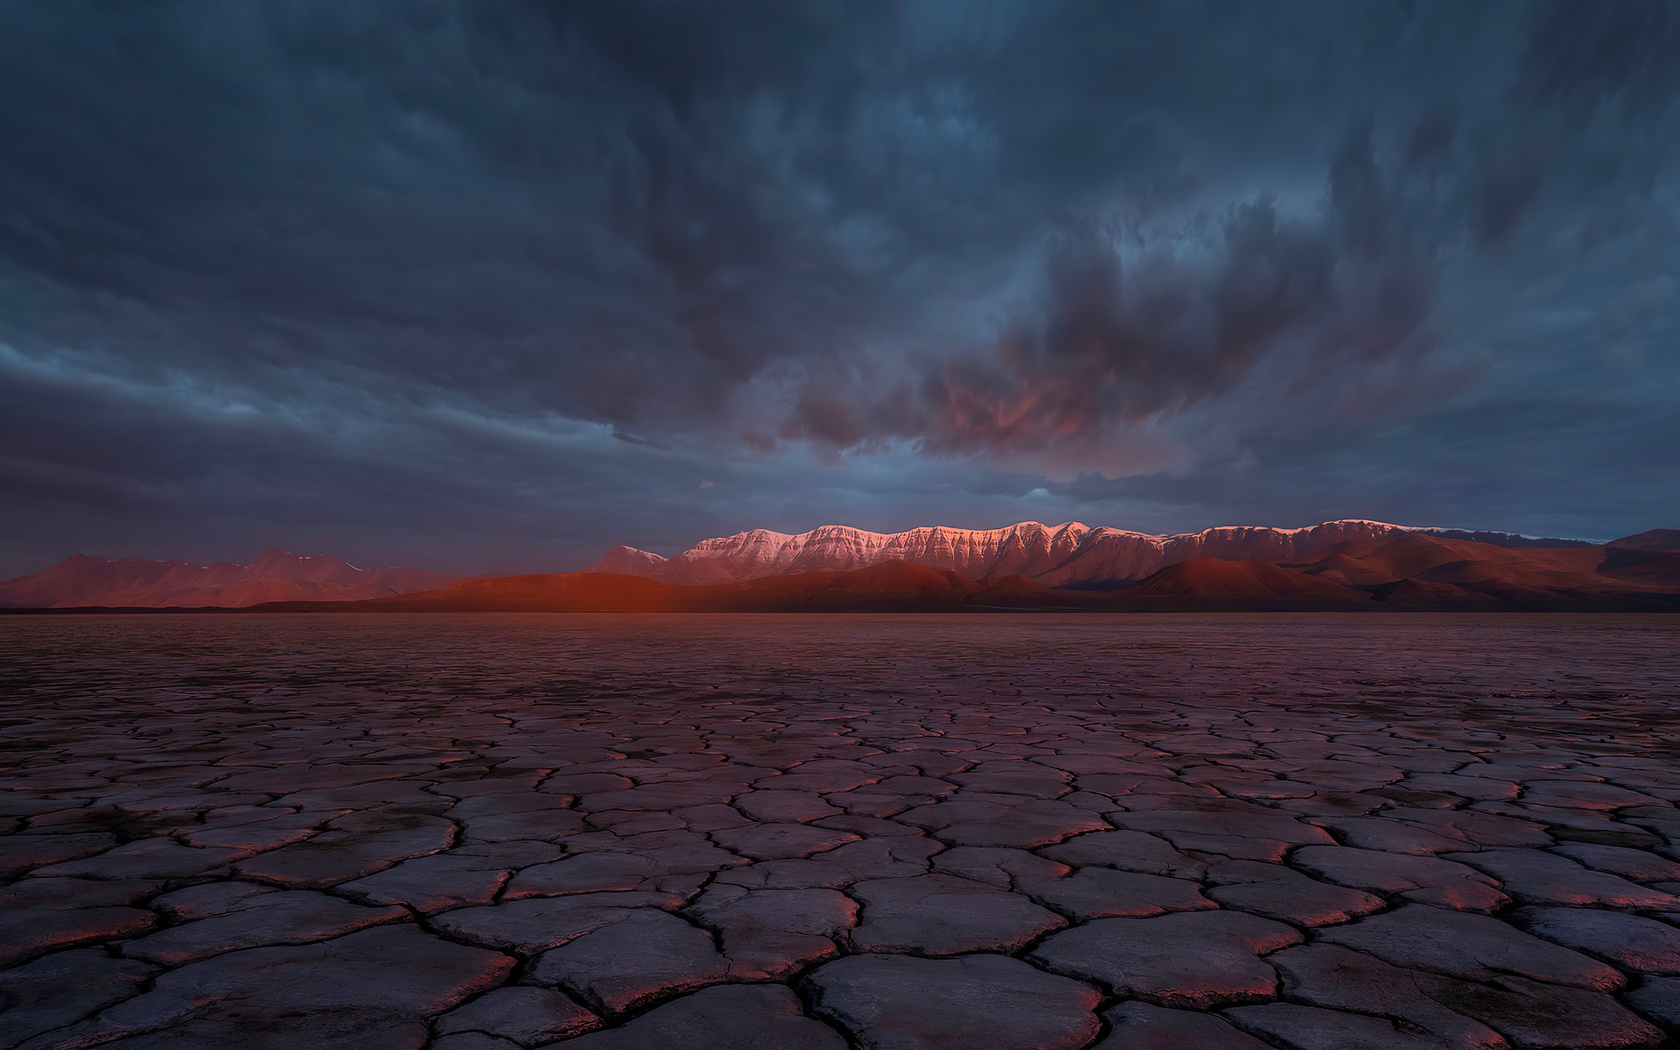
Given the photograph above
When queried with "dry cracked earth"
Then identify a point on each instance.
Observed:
(813, 833)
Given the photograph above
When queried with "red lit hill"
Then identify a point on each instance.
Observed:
(1215, 578)
(1654, 540)
(1418, 570)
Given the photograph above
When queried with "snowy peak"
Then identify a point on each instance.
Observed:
(757, 544)
(1071, 554)
(841, 548)
(627, 560)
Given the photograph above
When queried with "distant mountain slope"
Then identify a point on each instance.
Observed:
(1656, 568)
(1218, 578)
(1068, 555)
(1653, 540)
(1417, 569)
(82, 581)
(628, 560)
(1501, 539)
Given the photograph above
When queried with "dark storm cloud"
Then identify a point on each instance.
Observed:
(1190, 315)
(525, 277)
(1107, 355)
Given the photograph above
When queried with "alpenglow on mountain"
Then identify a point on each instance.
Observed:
(1067, 555)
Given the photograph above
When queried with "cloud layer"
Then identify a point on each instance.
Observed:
(491, 286)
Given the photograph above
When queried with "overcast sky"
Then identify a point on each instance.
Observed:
(494, 285)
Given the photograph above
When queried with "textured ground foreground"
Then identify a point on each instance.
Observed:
(818, 832)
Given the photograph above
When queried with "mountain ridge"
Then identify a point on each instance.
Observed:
(1346, 564)
(1069, 555)
(84, 580)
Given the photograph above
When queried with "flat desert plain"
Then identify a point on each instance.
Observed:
(797, 832)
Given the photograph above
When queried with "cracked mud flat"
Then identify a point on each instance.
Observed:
(781, 833)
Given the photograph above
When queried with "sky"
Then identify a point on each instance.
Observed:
(496, 285)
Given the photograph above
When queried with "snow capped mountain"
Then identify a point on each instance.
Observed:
(1024, 548)
(628, 561)
(1067, 555)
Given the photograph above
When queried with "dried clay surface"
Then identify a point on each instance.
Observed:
(884, 832)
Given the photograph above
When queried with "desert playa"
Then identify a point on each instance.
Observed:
(876, 831)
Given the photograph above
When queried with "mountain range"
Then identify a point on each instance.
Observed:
(81, 581)
(1067, 555)
(1399, 570)
(1352, 564)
